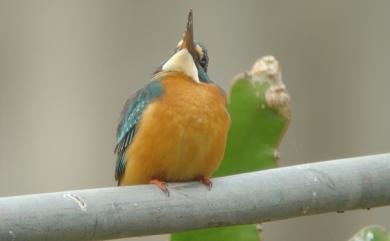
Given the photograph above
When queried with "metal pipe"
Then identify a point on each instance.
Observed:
(280, 193)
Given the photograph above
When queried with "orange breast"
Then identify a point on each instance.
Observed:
(181, 136)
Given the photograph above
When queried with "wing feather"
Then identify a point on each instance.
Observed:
(130, 117)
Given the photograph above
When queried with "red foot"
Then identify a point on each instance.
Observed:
(160, 184)
(206, 181)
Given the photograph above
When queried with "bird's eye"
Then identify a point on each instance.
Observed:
(203, 62)
(202, 56)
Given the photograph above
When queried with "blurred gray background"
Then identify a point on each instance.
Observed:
(66, 68)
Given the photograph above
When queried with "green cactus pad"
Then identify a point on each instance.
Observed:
(372, 233)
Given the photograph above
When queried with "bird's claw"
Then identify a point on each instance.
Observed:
(206, 181)
(160, 184)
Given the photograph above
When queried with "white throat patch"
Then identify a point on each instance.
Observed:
(182, 61)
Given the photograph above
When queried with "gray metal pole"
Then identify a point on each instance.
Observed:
(107, 213)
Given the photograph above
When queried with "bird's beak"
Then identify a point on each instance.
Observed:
(188, 38)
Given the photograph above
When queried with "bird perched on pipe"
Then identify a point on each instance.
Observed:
(175, 128)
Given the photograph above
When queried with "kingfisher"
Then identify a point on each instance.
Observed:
(174, 129)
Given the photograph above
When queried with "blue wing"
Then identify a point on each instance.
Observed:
(130, 116)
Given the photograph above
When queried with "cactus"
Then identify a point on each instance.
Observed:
(259, 108)
(372, 233)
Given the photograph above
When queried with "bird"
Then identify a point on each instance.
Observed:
(175, 128)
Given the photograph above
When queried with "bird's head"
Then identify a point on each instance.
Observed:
(190, 57)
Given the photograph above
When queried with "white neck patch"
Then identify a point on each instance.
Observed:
(182, 61)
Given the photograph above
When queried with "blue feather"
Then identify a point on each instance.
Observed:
(203, 76)
(130, 116)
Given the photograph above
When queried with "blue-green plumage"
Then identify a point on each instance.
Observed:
(130, 116)
(203, 77)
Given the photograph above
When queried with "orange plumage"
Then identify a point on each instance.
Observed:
(181, 135)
